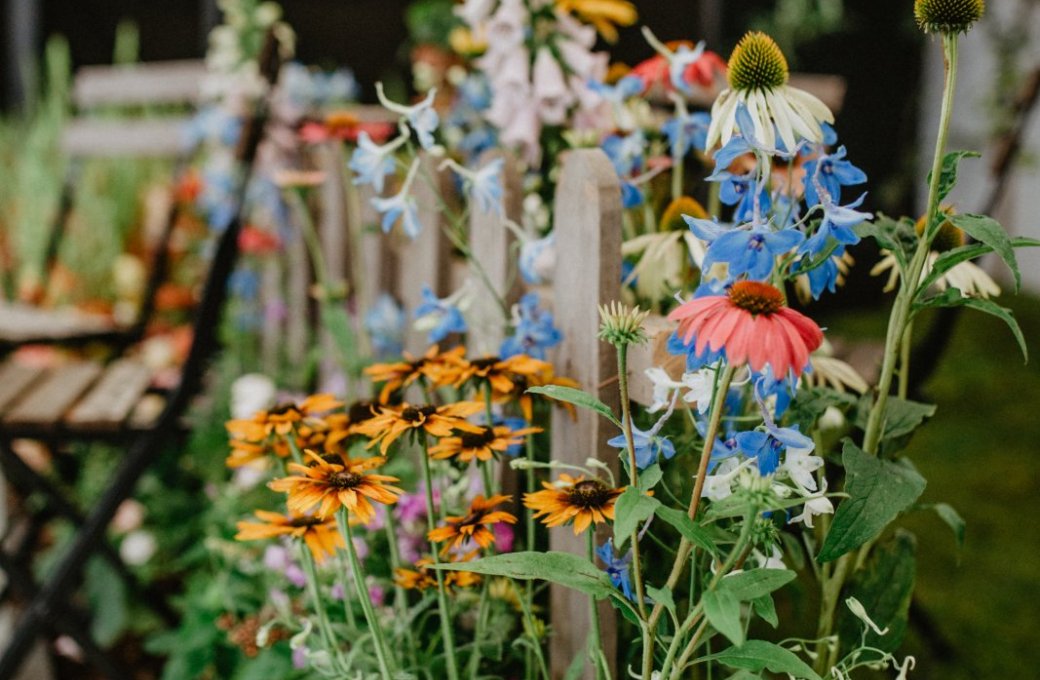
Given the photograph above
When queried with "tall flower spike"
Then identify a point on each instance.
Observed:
(948, 16)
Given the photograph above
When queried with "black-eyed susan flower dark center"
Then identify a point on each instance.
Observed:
(345, 479)
(757, 64)
(756, 297)
(284, 409)
(484, 363)
(948, 16)
(475, 440)
(415, 414)
(360, 411)
(306, 521)
(590, 493)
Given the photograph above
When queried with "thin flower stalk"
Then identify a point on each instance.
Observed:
(382, 652)
(596, 655)
(328, 637)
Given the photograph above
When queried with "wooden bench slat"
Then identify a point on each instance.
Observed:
(150, 137)
(15, 378)
(163, 82)
(20, 323)
(113, 397)
(49, 400)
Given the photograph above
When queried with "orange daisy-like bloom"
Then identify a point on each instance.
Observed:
(751, 324)
(474, 525)
(526, 400)
(583, 500)
(483, 445)
(439, 421)
(321, 535)
(438, 368)
(503, 373)
(422, 577)
(320, 434)
(281, 419)
(328, 486)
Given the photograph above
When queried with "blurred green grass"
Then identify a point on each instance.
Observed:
(981, 454)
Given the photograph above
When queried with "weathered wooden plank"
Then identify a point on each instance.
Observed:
(653, 353)
(164, 82)
(113, 397)
(587, 221)
(52, 397)
(20, 322)
(152, 137)
(15, 378)
(492, 245)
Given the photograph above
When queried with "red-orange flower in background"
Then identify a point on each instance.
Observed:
(325, 486)
(750, 324)
(655, 72)
(438, 421)
(574, 498)
(321, 535)
(345, 126)
(473, 526)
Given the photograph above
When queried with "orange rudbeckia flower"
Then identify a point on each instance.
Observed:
(329, 486)
(582, 500)
(474, 525)
(439, 421)
(483, 445)
(320, 535)
(438, 368)
(281, 419)
(422, 577)
(502, 374)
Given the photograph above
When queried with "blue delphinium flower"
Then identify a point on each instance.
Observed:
(783, 388)
(746, 251)
(837, 223)
(626, 152)
(617, 94)
(484, 186)
(535, 332)
(740, 190)
(617, 568)
(385, 325)
(829, 173)
(371, 162)
(649, 446)
(823, 276)
(686, 131)
(767, 446)
(680, 60)
(400, 205)
(424, 120)
(537, 258)
(443, 317)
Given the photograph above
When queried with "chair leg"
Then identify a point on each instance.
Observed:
(23, 475)
(60, 581)
(73, 623)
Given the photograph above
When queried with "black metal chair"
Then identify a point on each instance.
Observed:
(90, 401)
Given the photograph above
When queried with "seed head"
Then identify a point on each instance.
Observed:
(948, 16)
(620, 325)
(757, 63)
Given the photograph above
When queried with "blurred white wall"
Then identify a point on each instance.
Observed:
(1019, 212)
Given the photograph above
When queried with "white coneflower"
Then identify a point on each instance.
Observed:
(758, 79)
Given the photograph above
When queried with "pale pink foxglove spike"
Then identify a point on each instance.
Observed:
(473, 12)
(523, 132)
(505, 29)
(550, 89)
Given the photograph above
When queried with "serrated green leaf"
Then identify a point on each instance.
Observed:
(948, 171)
(576, 397)
(987, 230)
(748, 585)
(766, 610)
(759, 655)
(558, 567)
(953, 298)
(884, 586)
(723, 612)
(902, 416)
(633, 507)
(687, 528)
(878, 491)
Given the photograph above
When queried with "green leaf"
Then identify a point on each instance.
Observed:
(951, 258)
(758, 655)
(953, 298)
(632, 508)
(948, 171)
(687, 528)
(558, 567)
(663, 596)
(878, 491)
(954, 520)
(723, 612)
(807, 407)
(576, 397)
(107, 595)
(902, 416)
(748, 585)
(766, 610)
(884, 587)
(987, 230)
(897, 237)
(649, 477)
(735, 506)
(744, 675)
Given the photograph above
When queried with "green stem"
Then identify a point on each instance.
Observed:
(904, 360)
(319, 606)
(596, 655)
(530, 483)
(382, 654)
(344, 582)
(442, 595)
(400, 596)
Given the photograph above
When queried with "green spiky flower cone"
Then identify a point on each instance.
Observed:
(757, 63)
(948, 16)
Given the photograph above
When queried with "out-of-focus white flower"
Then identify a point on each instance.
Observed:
(820, 505)
(550, 89)
(138, 547)
(250, 393)
(128, 517)
(800, 465)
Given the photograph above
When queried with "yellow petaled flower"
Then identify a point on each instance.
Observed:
(948, 16)
(328, 486)
(438, 421)
(526, 400)
(604, 15)
(582, 500)
(321, 434)
(422, 577)
(473, 526)
(281, 419)
(464, 42)
(758, 80)
(321, 535)
(501, 373)
(482, 445)
(439, 369)
(967, 277)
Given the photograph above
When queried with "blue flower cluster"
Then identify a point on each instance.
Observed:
(534, 332)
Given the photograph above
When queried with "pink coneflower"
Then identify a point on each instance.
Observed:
(752, 324)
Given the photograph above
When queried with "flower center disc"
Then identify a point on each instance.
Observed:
(475, 440)
(344, 479)
(757, 64)
(360, 411)
(756, 297)
(417, 414)
(948, 16)
(589, 494)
